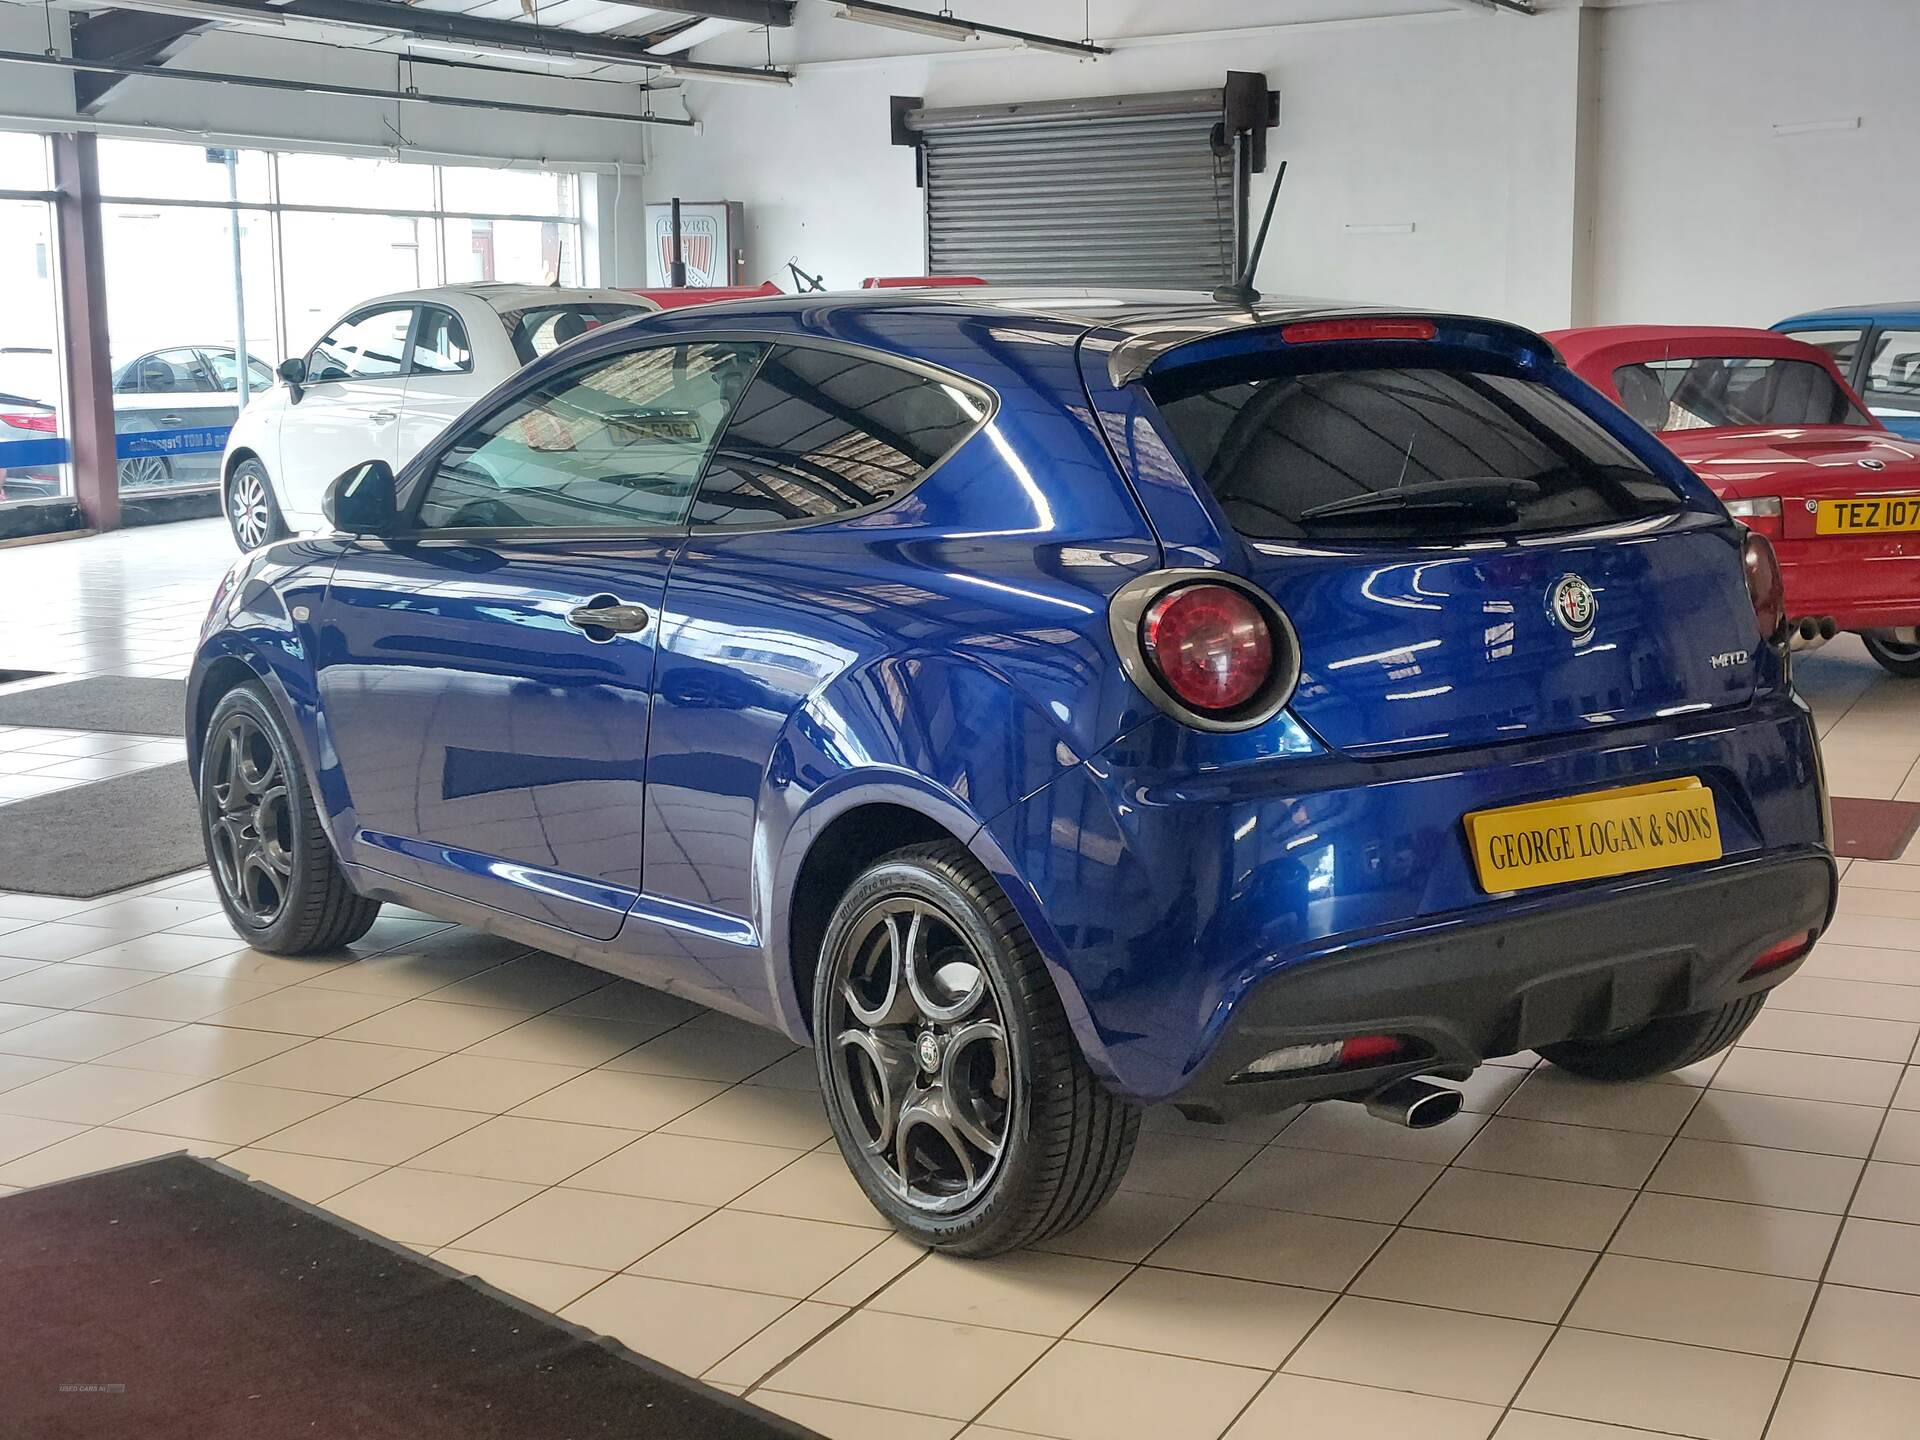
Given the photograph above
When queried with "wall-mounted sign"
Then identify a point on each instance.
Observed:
(712, 243)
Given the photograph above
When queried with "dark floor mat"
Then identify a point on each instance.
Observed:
(128, 704)
(102, 836)
(174, 1300)
(1873, 829)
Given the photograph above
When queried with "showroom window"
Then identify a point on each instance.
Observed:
(33, 431)
(202, 243)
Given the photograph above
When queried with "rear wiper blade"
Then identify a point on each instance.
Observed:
(1471, 493)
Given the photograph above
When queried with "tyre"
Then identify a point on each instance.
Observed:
(1659, 1046)
(253, 515)
(279, 882)
(954, 1085)
(1896, 656)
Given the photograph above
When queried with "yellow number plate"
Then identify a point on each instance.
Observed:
(1868, 515)
(1587, 837)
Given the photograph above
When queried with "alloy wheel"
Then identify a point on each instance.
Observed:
(922, 1071)
(248, 813)
(248, 509)
(144, 470)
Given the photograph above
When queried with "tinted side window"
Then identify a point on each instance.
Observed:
(440, 347)
(820, 433)
(165, 372)
(366, 347)
(221, 363)
(1893, 374)
(618, 444)
(1842, 346)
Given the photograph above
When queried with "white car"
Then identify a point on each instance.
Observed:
(382, 382)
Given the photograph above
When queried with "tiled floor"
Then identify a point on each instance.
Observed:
(37, 761)
(1730, 1253)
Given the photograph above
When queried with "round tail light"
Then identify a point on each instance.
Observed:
(1210, 645)
(1764, 585)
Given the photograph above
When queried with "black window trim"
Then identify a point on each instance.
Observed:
(413, 485)
(352, 317)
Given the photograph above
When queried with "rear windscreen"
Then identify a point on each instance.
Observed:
(1400, 453)
(1715, 392)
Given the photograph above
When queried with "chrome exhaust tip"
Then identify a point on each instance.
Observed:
(1414, 1104)
(1810, 632)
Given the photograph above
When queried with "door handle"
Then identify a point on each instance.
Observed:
(605, 612)
(383, 416)
(173, 420)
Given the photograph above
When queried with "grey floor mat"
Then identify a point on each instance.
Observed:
(92, 839)
(127, 704)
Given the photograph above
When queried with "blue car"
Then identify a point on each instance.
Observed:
(1877, 347)
(1046, 706)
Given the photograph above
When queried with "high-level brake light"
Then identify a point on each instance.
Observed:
(1311, 332)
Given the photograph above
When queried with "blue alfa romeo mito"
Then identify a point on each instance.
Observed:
(1046, 705)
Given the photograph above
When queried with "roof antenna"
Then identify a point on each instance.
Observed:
(1241, 292)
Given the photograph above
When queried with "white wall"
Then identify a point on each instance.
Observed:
(1707, 216)
(1594, 163)
(1606, 161)
(1459, 123)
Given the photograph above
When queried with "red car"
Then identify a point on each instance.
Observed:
(1778, 434)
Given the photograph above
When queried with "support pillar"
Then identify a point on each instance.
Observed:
(83, 329)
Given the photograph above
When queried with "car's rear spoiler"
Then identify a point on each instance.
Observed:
(1140, 350)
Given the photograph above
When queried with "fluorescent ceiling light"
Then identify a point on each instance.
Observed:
(696, 34)
(941, 27)
(727, 77)
(1058, 47)
(203, 10)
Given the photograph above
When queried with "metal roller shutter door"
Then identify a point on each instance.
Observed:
(1120, 199)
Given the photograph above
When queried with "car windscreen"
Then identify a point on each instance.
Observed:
(542, 328)
(1718, 392)
(1399, 453)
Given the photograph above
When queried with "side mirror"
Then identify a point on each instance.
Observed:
(293, 370)
(362, 502)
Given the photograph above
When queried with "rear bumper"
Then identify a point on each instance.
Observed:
(1465, 992)
(1864, 584)
(1177, 875)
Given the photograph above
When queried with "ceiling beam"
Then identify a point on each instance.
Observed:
(777, 13)
(389, 18)
(400, 19)
(122, 37)
(319, 87)
(947, 25)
